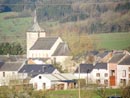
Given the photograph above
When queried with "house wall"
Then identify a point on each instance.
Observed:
(85, 76)
(102, 76)
(6, 76)
(38, 83)
(112, 77)
(123, 74)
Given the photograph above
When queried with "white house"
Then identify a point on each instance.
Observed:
(93, 74)
(123, 72)
(53, 81)
(32, 70)
(9, 71)
(99, 74)
(83, 71)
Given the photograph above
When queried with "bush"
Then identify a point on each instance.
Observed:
(126, 92)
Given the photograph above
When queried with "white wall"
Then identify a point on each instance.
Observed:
(31, 39)
(39, 53)
(44, 53)
(121, 74)
(40, 82)
(101, 77)
(10, 75)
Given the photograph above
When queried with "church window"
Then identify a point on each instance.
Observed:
(32, 54)
(3, 74)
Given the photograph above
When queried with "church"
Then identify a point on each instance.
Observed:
(41, 46)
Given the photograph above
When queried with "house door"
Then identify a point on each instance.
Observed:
(112, 78)
(44, 85)
(112, 81)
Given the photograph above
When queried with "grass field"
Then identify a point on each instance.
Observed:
(15, 30)
(14, 26)
(84, 93)
(112, 40)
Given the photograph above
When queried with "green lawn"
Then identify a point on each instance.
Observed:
(14, 26)
(112, 40)
(84, 93)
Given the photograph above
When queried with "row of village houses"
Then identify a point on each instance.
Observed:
(115, 72)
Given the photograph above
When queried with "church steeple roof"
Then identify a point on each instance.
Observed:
(36, 27)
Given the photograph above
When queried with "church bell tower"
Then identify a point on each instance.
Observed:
(34, 33)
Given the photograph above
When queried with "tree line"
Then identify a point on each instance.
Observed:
(11, 48)
(92, 16)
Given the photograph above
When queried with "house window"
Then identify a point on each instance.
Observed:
(40, 77)
(112, 72)
(106, 82)
(35, 85)
(39, 55)
(129, 69)
(32, 54)
(98, 81)
(129, 82)
(106, 74)
(44, 85)
(129, 75)
(98, 75)
(13, 73)
(123, 73)
(3, 74)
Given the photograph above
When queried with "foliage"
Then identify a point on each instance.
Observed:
(101, 92)
(11, 48)
(126, 92)
(82, 82)
(98, 16)
(58, 66)
(11, 92)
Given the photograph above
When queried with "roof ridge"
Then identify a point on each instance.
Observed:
(122, 58)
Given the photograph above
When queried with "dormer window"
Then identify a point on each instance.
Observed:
(40, 77)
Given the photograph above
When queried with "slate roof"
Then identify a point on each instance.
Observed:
(116, 58)
(102, 54)
(92, 52)
(1, 63)
(60, 76)
(62, 50)
(11, 66)
(44, 43)
(85, 68)
(125, 61)
(35, 69)
(100, 66)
